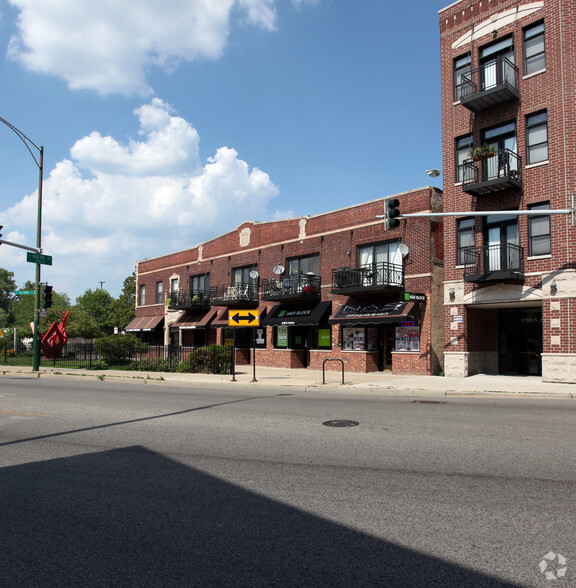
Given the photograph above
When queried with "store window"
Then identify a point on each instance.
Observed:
(159, 293)
(465, 241)
(141, 295)
(539, 231)
(462, 66)
(463, 148)
(316, 337)
(534, 52)
(537, 137)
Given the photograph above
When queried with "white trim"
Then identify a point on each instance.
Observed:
(534, 73)
(539, 164)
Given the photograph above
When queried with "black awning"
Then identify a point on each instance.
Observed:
(300, 315)
(373, 314)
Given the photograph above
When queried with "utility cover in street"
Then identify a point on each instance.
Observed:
(39, 258)
(243, 318)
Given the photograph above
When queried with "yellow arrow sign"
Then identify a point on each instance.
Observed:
(243, 318)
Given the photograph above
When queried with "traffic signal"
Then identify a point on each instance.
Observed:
(1, 227)
(392, 212)
(47, 296)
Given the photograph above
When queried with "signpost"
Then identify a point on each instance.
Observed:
(39, 258)
(246, 318)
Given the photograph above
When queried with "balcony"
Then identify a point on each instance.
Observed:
(494, 263)
(502, 171)
(299, 287)
(373, 278)
(182, 300)
(242, 294)
(490, 84)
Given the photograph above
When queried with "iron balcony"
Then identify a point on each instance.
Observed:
(182, 300)
(501, 171)
(493, 83)
(494, 263)
(372, 278)
(241, 294)
(295, 287)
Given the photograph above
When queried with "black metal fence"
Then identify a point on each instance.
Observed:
(172, 358)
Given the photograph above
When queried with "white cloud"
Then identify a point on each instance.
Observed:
(107, 47)
(111, 204)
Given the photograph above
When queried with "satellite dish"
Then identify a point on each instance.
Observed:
(403, 248)
(253, 274)
(278, 269)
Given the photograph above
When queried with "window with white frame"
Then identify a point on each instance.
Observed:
(309, 264)
(465, 241)
(174, 285)
(534, 52)
(381, 263)
(537, 137)
(141, 295)
(539, 231)
(159, 292)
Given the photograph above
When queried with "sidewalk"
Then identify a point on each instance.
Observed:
(306, 379)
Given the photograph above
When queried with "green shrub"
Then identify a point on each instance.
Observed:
(212, 359)
(119, 349)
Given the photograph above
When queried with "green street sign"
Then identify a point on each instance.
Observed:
(39, 258)
(24, 293)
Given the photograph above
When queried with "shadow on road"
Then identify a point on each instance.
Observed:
(131, 517)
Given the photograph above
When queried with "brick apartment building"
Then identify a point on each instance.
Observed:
(329, 286)
(509, 83)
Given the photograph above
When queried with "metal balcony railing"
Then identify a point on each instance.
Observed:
(291, 287)
(493, 83)
(182, 300)
(241, 293)
(367, 278)
(493, 263)
(501, 171)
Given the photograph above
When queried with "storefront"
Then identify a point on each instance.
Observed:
(300, 328)
(379, 329)
(191, 329)
(149, 328)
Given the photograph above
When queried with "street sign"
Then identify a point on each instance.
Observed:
(243, 318)
(39, 258)
(23, 292)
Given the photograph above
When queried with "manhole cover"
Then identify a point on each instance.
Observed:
(341, 423)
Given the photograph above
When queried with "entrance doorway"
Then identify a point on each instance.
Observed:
(520, 341)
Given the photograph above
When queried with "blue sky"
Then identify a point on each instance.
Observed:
(167, 124)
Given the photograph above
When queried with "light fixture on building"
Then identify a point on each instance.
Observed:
(433, 173)
(452, 293)
(553, 287)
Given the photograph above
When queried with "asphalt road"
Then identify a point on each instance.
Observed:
(105, 484)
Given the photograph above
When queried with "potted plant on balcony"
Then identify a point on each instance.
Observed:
(483, 152)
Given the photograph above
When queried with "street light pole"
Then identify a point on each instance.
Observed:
(40, 164)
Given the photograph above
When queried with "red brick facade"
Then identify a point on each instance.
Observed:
(490, 318)
(336, 238)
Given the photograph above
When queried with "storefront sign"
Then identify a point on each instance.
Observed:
(282, 336)
(413, 296)
(324, 338)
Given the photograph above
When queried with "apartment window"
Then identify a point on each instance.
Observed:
(465, 241)
(381, 264)
(141, 295)
(462, 66)
(463, 148)
(174, 285)
(539, 231)
(159, 293)
(245, 275)
(309, 264)
(534, 54)
(537, 137)
(200, 284)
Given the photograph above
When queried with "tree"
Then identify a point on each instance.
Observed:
(124, 308)
(96, 306)
(7, 287)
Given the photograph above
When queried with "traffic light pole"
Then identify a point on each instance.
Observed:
(36, 340)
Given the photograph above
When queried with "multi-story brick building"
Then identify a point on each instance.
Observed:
(509, 129)
(329, 286)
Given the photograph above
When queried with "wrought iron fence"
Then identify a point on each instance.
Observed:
(171, 358)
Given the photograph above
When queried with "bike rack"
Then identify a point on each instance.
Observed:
(324, 369)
